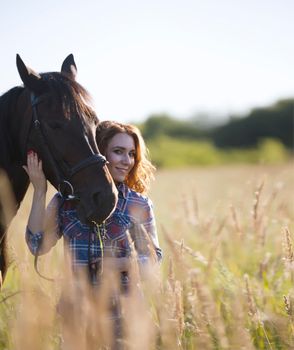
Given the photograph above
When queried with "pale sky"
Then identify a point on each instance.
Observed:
(136, 58)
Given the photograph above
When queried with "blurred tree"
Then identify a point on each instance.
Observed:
(163, 124)
(276, 122)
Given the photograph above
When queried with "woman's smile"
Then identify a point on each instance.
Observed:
(120, 154)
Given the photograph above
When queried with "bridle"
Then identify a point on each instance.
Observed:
(65, 174)
(62, 172)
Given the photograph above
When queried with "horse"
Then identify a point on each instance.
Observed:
(51, 115)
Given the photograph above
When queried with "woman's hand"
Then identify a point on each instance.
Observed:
(35, 172)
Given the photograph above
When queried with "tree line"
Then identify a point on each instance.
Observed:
(272, 122)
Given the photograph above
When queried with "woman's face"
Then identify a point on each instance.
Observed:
(120, 153)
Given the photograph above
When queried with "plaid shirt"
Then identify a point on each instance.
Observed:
(87, 245)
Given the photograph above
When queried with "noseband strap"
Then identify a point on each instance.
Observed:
(94, 159)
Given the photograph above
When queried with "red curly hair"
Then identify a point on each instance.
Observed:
(143, 171)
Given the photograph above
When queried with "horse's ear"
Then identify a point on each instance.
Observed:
(69, 67)
(31, 79)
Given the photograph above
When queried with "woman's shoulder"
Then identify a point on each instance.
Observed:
(140, 207)
(129, 198)
(139, 198)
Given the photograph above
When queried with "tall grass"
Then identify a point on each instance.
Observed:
(226, 281)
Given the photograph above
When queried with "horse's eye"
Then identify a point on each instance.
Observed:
(55, 125)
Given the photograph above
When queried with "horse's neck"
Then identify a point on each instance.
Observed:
(18, 180)
(18, 125)
(13, 160)
(18, 177)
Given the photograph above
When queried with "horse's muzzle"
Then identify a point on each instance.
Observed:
(97, 207)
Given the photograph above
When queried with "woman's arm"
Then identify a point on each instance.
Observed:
(41, 228)
(144, 234)
(38, 180)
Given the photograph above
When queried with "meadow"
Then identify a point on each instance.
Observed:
(226, 280)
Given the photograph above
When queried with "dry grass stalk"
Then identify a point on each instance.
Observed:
(263, 266)
(216, 242)
(256, 205)
(196, 255)
(288, 246)
(139, 325)
(179, 312)
(289, 306)
(196, 206)
(168, 322)
(288, 254)
(191, 209)
(7, 200)
(209, 324)
(271, 199)
(252, 308)
(207, 225)
(172, 317)
(145, 284)
(35, 315)
(171, 274)
(237, 226)
(180, 262)
(142, 243)
(191, 306)
(253, 311)
(262, 231)
(240, 337)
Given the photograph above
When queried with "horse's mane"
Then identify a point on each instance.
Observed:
(7, 105)
(74, 97)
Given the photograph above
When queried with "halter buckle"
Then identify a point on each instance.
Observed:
(70, 196)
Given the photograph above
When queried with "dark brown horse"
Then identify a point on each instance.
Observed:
(51, 115)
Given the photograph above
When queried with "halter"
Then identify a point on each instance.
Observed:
(63, 172)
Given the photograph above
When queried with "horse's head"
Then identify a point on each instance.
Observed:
(61, 128)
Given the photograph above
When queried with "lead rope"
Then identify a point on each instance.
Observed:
(100, 232)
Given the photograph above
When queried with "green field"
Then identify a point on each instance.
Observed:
(226, 281)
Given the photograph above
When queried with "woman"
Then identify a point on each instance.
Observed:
(131, 224)
(125, 151)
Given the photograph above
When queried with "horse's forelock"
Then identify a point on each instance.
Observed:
(74, 97)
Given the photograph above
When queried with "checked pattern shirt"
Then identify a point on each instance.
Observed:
(133, 215)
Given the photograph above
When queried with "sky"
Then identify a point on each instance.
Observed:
(138, 58)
